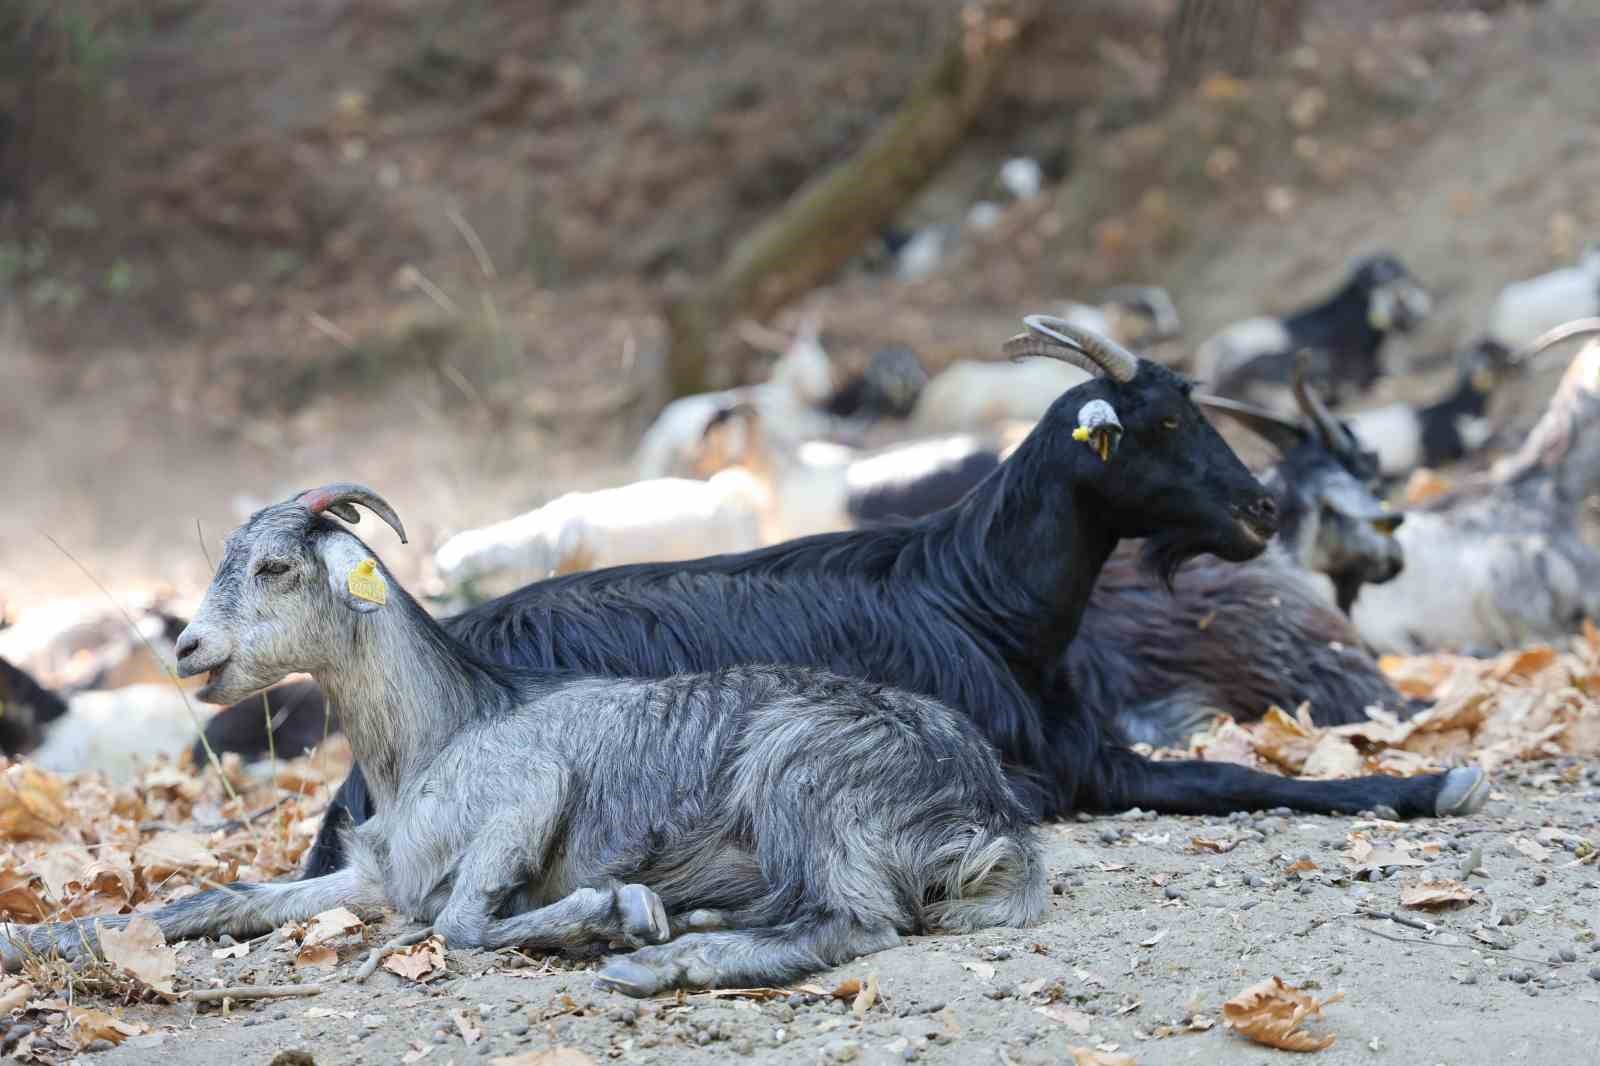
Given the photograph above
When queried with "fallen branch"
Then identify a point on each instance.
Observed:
(377, 954)
(1399, 919)
(242, 993)
(1438, 944)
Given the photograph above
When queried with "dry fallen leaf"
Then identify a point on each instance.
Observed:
(174, 852)
(32, 803)
(1430, 894)
(1300, 866)
(1532, 849)
(88, 1025)
(330, 925)
(141, 949)
(556, 1056)
(1216, 847)
(418, 1051)
(866, 997)
(13, 994)
(1088, 1056)
(983, 969)
(322, 956)
(1075, 1020)
(849, 988)
(419, 961)
(1270, 1012)
(467, 1025)
(1150, 942)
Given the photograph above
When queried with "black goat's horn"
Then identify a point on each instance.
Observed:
(338, 498)
(1056, 338)
(1311, 405)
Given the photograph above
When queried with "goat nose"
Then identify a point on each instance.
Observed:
(188, 644)
(1266, 507)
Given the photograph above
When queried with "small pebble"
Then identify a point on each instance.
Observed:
(1084, 816)
(281, 1015)
(743, 1046)
(1386, 812)
(226, 941)
(519, 1030)
(796, 999)
(1255, 881)
(1173, 892)
(999, 991)
(702, 1038)
(1594, 973)
(1469, 978)
(1568, 955)
(1521, 977)
(1108, 836)
(1058, 888)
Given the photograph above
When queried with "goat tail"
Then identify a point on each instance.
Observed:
(983, 876)
(241, 910)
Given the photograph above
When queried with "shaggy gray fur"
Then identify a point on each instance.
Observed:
(811, 818)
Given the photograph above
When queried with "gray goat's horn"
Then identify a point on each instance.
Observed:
(338, 497)
(1056, 338)
(1285, 434)
(1578, 327)
(1311, 405)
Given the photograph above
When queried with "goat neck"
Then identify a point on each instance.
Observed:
(402, 686)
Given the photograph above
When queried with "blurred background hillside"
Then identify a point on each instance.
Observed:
(431, 245)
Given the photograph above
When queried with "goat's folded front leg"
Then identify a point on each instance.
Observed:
(630, 915)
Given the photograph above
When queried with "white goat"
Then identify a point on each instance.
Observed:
(1525, 310)
(648, 521)
(800, 381)
(1501, 564)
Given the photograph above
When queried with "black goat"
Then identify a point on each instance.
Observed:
(887, 387)
(974, 605)
(1255, 358)
(26, 707)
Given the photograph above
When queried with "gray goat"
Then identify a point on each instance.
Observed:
(808, 818)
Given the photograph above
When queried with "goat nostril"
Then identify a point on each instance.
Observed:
(188, 647)
(1267, 507)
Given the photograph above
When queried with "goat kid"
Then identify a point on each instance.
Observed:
(809, 818)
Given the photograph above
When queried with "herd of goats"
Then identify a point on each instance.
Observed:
(842, 726)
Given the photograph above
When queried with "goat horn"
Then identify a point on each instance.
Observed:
(1314, 409)
(1076, 345)
(1578, 327)
(1282, 433)
(338, 497)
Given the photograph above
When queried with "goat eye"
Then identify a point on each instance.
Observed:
(1170, 423)
(271, 568)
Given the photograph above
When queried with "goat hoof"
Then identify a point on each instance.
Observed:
(703, 919)
(1465, 791)
(627, 977)
(643, 917)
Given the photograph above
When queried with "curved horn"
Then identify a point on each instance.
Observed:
(1065, 341)
(1311, 405)
(1578, 327)
(1285, 434)
(338, 498)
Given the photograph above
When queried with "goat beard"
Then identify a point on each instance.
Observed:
(1164, 554)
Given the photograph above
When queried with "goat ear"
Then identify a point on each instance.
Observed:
(354, 576)
(1099, 428)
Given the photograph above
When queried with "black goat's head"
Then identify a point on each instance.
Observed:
(1154, 466)
(1396, 300)
(280, 602)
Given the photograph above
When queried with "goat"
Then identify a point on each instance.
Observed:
(888, 387)
(1451, 428)
(801, 380)
(972, 394)
(1254, 359)
(973, 605)
(1526, 310)
(1501, 563)
(659, 519)
(538, 808)
(26, 710)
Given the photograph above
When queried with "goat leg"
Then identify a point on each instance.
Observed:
(1192, 787)
(242, 910)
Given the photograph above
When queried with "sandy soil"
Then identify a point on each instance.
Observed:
(1143, 933)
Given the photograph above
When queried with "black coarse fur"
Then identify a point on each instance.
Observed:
(973, 606)
(896, 499)
(1346, 347)
(26, 708)
(299, 716)
(1479, 369)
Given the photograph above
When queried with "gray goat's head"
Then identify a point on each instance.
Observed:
(1332, 522)
(286, 593)
(1396, 300)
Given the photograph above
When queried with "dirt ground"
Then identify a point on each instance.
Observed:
(1144, 932)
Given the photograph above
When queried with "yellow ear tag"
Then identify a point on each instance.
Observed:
(1080, 434)
(365, 584)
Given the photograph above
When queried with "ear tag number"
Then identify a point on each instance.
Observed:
(365, 584)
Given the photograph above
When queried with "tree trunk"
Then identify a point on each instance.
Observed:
(832, 217)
